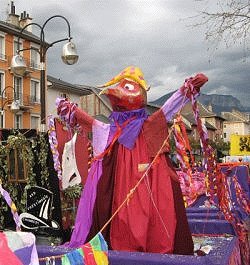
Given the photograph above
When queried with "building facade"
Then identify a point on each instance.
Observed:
(235, 123)
(24, 90)
(212, 121)
(58, 88)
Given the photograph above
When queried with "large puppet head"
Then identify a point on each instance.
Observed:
(130, 92)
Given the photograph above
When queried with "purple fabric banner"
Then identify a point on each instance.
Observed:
(225, 251)
(84, 212)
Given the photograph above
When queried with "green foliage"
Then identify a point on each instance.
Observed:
(73, 192)
(17, 190)
(42, 156)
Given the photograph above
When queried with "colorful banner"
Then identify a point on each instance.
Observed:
(239, 144)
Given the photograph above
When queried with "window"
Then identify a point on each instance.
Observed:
(18, 85)
(16, 46)
(2, 120)
(34, 58)
(1, 91)
(18, 121)
(2, 116)
(64, 95)
(17, 165)
(2, 47)
(225, 135)
(34, 122)
(1, 82)
(35, 91)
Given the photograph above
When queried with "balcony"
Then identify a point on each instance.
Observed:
(26, 102)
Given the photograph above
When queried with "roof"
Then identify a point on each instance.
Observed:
(191, 119)
(203, 111)
(57, 83)
(235, 117)
(12, 29)
(210, 126)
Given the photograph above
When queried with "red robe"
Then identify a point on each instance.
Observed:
(154, 219)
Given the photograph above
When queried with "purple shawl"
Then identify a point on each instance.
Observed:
(131, 131)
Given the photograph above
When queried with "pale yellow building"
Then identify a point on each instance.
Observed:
(235, 123)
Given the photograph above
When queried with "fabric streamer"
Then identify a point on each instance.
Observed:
(242, 198)
(12, 206)
(216, 182)
(53, 145)
(226, 205)
(67, 112)
(182, 147)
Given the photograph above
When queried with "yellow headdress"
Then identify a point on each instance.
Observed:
(131, 72)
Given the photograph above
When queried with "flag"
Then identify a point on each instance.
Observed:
(95, 252)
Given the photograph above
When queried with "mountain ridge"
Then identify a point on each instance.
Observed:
(219, 103)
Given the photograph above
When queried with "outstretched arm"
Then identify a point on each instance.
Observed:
(190, 87)
(73, 115)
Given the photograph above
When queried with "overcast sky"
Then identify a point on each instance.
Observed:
(154, 35)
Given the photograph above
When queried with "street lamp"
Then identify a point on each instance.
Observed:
(14, 107)
(69, 56)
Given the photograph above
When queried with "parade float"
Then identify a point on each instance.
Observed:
(135, 207)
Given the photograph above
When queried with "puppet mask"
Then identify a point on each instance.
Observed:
(130, 93)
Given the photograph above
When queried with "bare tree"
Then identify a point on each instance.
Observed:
(230, 23)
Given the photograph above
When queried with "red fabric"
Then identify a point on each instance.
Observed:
(138, 226)
(64, 135)
(6, 255)
(88, 254)
(197, 82)
(84, 120)
(155, 138)
(183, 242)
(82, 155)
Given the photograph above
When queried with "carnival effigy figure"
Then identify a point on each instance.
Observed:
(153, 219)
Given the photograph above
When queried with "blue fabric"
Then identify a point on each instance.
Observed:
(132, 129)
(75, 258)
(210, 226)
(24, 254)
(104, 245)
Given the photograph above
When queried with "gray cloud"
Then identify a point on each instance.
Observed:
(154, 35)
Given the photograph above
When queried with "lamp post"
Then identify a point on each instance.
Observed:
(15, 106)
(69, 56)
